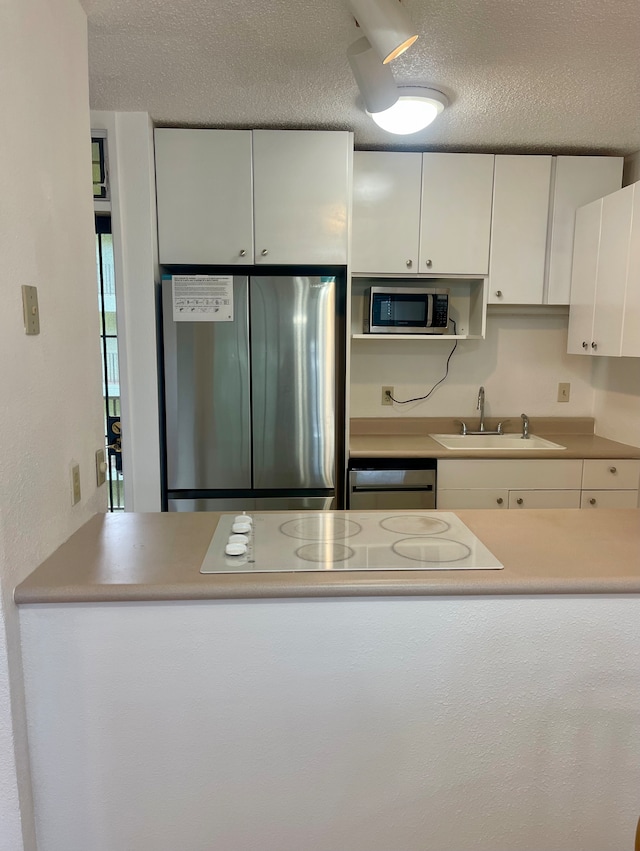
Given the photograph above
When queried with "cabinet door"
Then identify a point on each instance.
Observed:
(609, 499)
(385, 222)
(583, 278)
(577, 181)
(479, 498)
(301, 191)
(631, 321)
(544, 499)
(519, 229)
(204, 196)
(611, 282)
(457, 191)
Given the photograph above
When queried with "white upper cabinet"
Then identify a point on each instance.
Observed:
(215, 186)
(204, 196)
(611, 280)
(457, 191)
(386, 212)
(583, 278)
(301, 196)
(577, 181)
(631, 320)
(604, 288)
(519, 229)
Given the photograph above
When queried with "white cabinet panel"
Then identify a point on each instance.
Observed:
(509, 474)
(583, 278)
(607, 474)
(386, 212)
(577, 181)
(631, 322)
(457, 192)
(479, 498)
(301, 192)
(609, 499)
(544, 499)
(204, 196)
(615, 233)
(519, 229)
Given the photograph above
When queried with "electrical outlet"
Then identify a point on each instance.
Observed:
(387, 393)
(564, 390)
(75, 483)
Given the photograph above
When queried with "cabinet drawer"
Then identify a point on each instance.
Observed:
(479, 498)
(544, 499)
(603, 474)
(609, 499)
(542, 473)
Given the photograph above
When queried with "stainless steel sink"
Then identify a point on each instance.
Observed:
(494, 441)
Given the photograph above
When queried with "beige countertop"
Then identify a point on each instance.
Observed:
(134, 557)
(409, 438)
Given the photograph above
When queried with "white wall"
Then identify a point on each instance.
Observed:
(417, 724)
(617, 399)
(519, 363)
(50, 385)
(133, 206)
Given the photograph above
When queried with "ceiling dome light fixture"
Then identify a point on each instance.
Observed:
(387, 26)
(414, 110)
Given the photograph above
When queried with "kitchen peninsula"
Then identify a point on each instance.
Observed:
(489, 709)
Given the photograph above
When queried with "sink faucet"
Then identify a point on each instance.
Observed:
(525, 426)
(480, 407)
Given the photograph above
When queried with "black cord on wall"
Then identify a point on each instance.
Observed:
(446, 373)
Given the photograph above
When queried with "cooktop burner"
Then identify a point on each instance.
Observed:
(344, 540)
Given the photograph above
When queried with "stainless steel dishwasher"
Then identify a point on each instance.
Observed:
(390, 483)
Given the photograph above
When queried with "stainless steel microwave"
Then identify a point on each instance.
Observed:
(398, 310)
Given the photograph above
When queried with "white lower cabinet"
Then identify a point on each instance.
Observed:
(538, 483)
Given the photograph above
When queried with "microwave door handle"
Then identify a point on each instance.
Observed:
(430, 301)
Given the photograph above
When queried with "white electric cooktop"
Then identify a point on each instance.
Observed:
(344, 540)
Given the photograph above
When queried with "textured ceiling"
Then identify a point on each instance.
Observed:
(521, 75)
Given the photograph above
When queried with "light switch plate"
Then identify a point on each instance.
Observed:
(101, 468)
(30, 310)
(564, 391)
(75, 484)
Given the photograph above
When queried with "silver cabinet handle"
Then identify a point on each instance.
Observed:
(520, 500)
(613, 470)
(585, 345)
(409, 263)
(429, 264)
(592, 501)
(498, 293)
(594, 345)
(242, 252)
(499, 500)
(264, 252)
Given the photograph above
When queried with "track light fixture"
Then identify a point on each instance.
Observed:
(375, 80)
(386, 25)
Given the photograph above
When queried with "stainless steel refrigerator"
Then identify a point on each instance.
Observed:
(254, 406)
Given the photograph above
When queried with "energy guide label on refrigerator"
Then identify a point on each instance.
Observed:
(202, 298)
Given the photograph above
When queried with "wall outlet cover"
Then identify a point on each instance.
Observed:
(387, 393)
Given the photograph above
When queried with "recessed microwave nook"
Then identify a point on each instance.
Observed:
(427, 309)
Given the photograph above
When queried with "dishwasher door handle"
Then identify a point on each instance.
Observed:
(392, 480)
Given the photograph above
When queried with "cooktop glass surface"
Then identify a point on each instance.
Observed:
(344, 540)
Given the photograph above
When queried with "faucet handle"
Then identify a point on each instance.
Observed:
(463, 426)
(500, 426)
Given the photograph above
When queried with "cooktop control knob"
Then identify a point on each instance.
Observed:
(243, 518)
(235, 549)
(238, 539)
(242, 527)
